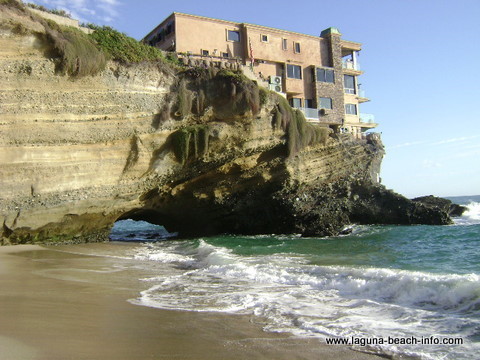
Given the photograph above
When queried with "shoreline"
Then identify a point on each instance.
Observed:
(58, 303)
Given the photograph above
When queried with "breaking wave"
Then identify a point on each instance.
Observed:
(319, 301)
(471, 216)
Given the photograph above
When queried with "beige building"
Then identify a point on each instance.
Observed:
(318, 74)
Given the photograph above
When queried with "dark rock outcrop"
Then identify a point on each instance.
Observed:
(445, 205)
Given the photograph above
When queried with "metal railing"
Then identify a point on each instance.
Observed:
(350, 65)
(309, 113)
(361, 93)
(367, 118)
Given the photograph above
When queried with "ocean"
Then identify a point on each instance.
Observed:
(409, 291)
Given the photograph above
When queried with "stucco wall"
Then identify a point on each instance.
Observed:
(197, 34)
(272, 49)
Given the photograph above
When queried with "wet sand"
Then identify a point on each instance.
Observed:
(58, 303)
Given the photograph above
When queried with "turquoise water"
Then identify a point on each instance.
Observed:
(378, 281)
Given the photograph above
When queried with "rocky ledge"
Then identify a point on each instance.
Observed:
(444, 205)
(200, 151)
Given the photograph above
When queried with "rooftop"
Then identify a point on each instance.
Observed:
(330, 30)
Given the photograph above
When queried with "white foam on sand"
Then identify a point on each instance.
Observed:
(320, 301)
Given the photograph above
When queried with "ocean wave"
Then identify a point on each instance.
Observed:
(169, 253)
(313, 300)
(471, 216)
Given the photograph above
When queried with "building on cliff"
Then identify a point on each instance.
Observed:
(317, 74)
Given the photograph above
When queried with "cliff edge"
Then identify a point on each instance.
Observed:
(199, 150)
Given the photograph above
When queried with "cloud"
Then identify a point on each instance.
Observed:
(109, 7)
(94, 11)
(457, 140)
(430, 164)
(407, 144)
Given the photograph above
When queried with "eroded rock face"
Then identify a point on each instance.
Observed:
(200, 153)
(445, 205)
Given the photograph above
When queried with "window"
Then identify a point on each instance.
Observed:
(325, 75)
(264, 38)
(309, 103)
(296, 47)
(225, 55)
(351, 109)
(284, 44)
(349, 84)
(233, 35)
(170, 28)
(205, 53)
(325, 103)
(294, 71)
(296, 102)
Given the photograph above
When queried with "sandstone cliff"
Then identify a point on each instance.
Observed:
(200, 151)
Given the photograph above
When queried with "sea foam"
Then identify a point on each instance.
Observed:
(320, 301)
(471, 216)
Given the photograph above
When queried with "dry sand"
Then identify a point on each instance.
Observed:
(57, 303)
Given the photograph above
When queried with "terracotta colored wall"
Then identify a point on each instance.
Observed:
(196, 34)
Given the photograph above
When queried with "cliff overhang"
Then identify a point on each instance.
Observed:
(201, 151)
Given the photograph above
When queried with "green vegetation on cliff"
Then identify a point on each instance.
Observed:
(12, 3)
(191, 142)
(230, 94)
(226, 94)
(244, 93)
(79, 54)
(75, 52)
(51, 11)
(118, 46)
(299, 133)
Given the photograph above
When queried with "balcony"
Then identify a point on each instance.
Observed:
(310, 114)
(368, 120)
(362, 97)
(351, 67)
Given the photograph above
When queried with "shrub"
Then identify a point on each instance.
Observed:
(51, 11)
(263, 95)
(121, 47)
(236, 77)
(13, 3)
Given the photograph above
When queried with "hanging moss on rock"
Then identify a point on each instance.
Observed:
(300, 133)
(283, 114)
(181, 143)
(229, 93)
(190, 143)
(263, 95)
(74, 52)
(244, 93)
(183, 105)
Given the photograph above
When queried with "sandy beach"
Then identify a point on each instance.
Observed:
(59, 303)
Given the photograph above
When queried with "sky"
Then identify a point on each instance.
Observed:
(420, 59)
